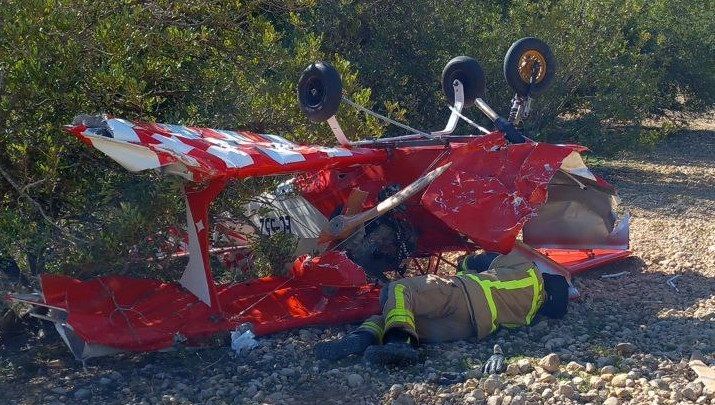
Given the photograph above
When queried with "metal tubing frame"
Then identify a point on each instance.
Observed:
(420, 137)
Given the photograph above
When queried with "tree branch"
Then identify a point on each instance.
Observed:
(67, 235)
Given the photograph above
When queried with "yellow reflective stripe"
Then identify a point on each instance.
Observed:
(508, 285)
(490, 299)
(402, 319)
(399, 296)
(487, 285)
(536, 298)
(390, 322)
(399, 313)
(372, 327)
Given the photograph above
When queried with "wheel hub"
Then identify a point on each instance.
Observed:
(315, 93)
(526, 65)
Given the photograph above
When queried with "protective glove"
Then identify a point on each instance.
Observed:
(495, 364)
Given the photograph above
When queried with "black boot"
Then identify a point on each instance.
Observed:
(354, 343)
(391, 353)
(398, 350)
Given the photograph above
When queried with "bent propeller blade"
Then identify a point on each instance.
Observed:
(341, 226)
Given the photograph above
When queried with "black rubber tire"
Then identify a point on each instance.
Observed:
(511, 66)
(468, 71)
(320, 90)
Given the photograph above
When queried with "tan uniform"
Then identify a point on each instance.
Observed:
(438, 309)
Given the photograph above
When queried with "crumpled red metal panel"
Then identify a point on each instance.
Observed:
(492, 189)
(332, 269)
(145, 315)
(327, 190)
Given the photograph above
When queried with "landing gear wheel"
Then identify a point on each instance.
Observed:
(468, 71)
(529, 56)
(320, 90)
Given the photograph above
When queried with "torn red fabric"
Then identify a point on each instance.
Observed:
(144, 315)
(491, 189)
(578, 261)
(333, 269)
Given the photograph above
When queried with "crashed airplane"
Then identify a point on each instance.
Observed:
(359, 210)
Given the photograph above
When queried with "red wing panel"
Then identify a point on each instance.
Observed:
(203, 153)
(490, 191)
(578, 261)
(144, 315)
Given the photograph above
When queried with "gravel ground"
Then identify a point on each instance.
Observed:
(629, 339)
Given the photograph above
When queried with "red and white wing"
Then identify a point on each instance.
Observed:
(199, 154)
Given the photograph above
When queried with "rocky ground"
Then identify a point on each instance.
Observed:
(629, 338)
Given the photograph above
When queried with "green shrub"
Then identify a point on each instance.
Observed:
(619, 61)
(206, 63)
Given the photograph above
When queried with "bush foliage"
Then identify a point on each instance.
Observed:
(234, 64)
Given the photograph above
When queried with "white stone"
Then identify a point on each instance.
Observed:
(567, 391)
(524, 365)
(492, 384)
(513, 369)
(597, 382)
(494, 400)
(608, 370)
(611, 401)
(550, 362)
(619, 380)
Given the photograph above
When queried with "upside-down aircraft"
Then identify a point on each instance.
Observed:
(360, 210)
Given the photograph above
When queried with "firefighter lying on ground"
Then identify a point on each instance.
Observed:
(490, 291)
